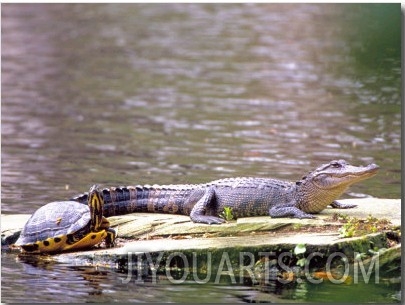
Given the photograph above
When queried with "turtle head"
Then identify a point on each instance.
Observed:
(96, 202)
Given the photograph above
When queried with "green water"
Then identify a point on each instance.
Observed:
(187, 93)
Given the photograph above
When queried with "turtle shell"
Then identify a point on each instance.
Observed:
(58, 218)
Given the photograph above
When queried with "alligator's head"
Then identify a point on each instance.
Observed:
(326, 183)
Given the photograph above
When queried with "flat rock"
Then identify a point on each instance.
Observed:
(144, 232)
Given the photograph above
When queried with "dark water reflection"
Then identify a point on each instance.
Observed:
(174, 93)
(39, 280)
(88, 284)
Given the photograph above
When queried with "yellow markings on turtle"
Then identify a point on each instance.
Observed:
(105, 224)
(51, 244)
(96, 203)
(58, 220)
(87, 241)
(58, 244)
(110, 238)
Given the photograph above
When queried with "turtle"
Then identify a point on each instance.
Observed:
(67, 225)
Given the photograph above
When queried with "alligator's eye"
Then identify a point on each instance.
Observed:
(336, 165)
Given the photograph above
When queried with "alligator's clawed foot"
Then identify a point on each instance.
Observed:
(215, 220)
(211, 220)
(304, 215)
(339, 205)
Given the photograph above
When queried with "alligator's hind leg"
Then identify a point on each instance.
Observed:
(197, 214)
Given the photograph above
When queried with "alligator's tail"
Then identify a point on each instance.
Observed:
(132, 199)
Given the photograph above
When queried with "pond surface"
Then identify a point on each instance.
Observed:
(45, 281)
(173, 93)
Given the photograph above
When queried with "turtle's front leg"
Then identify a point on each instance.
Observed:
(110, 239)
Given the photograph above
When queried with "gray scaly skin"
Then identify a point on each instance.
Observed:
(245, 196)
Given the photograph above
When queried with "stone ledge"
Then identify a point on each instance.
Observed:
(143, 232)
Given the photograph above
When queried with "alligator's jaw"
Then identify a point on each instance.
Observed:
(341, 175)
(328, 182)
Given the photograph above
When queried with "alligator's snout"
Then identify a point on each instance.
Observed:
(373, 168)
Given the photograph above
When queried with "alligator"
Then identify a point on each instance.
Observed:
(245, 196)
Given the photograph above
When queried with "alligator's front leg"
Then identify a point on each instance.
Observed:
(339, 205)
(288, 209)
(198, 212)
